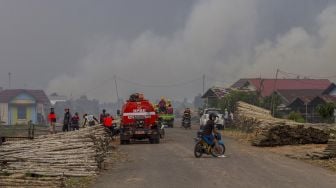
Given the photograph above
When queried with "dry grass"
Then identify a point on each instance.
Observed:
(297, 149)
(79, 182)
(241, 136)
(293, 151)
(328, 164)
(114, 156)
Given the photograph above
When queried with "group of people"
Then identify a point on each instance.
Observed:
(164, 106)
(72, 122)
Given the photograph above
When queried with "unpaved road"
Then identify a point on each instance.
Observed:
(172, 164)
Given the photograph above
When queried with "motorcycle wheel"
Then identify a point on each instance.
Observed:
(198, 151)
(221, 151)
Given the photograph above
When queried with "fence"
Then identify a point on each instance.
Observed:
(21, 132)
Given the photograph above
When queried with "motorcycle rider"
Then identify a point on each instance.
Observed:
(186, 114)
(209, 131)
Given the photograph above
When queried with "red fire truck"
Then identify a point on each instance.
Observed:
(139, 121)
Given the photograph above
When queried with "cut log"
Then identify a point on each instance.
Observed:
(270, 131)
(47, 160)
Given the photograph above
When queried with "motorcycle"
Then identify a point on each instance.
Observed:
(202, 147)
(186, 122)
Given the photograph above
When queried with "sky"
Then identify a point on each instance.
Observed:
(160, 47)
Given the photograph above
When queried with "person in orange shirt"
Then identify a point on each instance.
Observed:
(52, 120)
(108, 123)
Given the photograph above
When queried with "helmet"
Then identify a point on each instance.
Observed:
(213, 116)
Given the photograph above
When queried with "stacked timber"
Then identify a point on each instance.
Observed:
(328, 153)
(270, 131)
(46, 160)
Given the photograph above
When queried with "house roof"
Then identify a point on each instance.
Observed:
(331, 87)
(267, 86)
(217, 92)
(309, 99)
(240, 83)
(39, 95)
(328, 98)
(290, 95)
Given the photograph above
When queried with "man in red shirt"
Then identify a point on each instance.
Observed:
(108, 123)
(52, 120)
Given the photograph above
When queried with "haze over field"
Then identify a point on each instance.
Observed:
(161, 47)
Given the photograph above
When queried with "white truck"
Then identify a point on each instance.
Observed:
(220, 122)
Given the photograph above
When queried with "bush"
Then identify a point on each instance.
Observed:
(296, 116)
(326, 111)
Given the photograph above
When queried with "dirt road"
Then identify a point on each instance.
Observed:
(172, 164)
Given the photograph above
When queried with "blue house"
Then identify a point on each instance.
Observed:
(18, 106)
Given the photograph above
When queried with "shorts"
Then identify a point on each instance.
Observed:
(208, 139)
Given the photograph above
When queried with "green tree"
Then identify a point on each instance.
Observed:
(230, 100)
(326, 111)
(270, 101)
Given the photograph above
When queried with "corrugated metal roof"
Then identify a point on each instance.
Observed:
(268, 86)
(39, 95)
(218, 92)
(291, 95)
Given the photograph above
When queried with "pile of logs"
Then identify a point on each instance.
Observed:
(45, 161)
(270, 131)
(328, 153)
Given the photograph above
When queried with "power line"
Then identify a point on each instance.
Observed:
(305, 76)
(160, 85)
(116, 77)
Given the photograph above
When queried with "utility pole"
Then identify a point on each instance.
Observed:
(274, 88)
(9, 80)
(203, 83)
(116, 86)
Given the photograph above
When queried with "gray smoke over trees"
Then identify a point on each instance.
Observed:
(219, 38)
(161, 48)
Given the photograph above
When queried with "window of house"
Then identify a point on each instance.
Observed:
(22, 112)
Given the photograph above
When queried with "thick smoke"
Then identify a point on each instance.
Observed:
(218, 39)
(308, 54)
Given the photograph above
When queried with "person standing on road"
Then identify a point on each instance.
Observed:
(108, 123)
(102, 117)
(66, 120)
(90, 120)
(52, 120)
(75, 122)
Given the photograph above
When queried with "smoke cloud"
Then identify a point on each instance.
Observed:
(219, 39)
